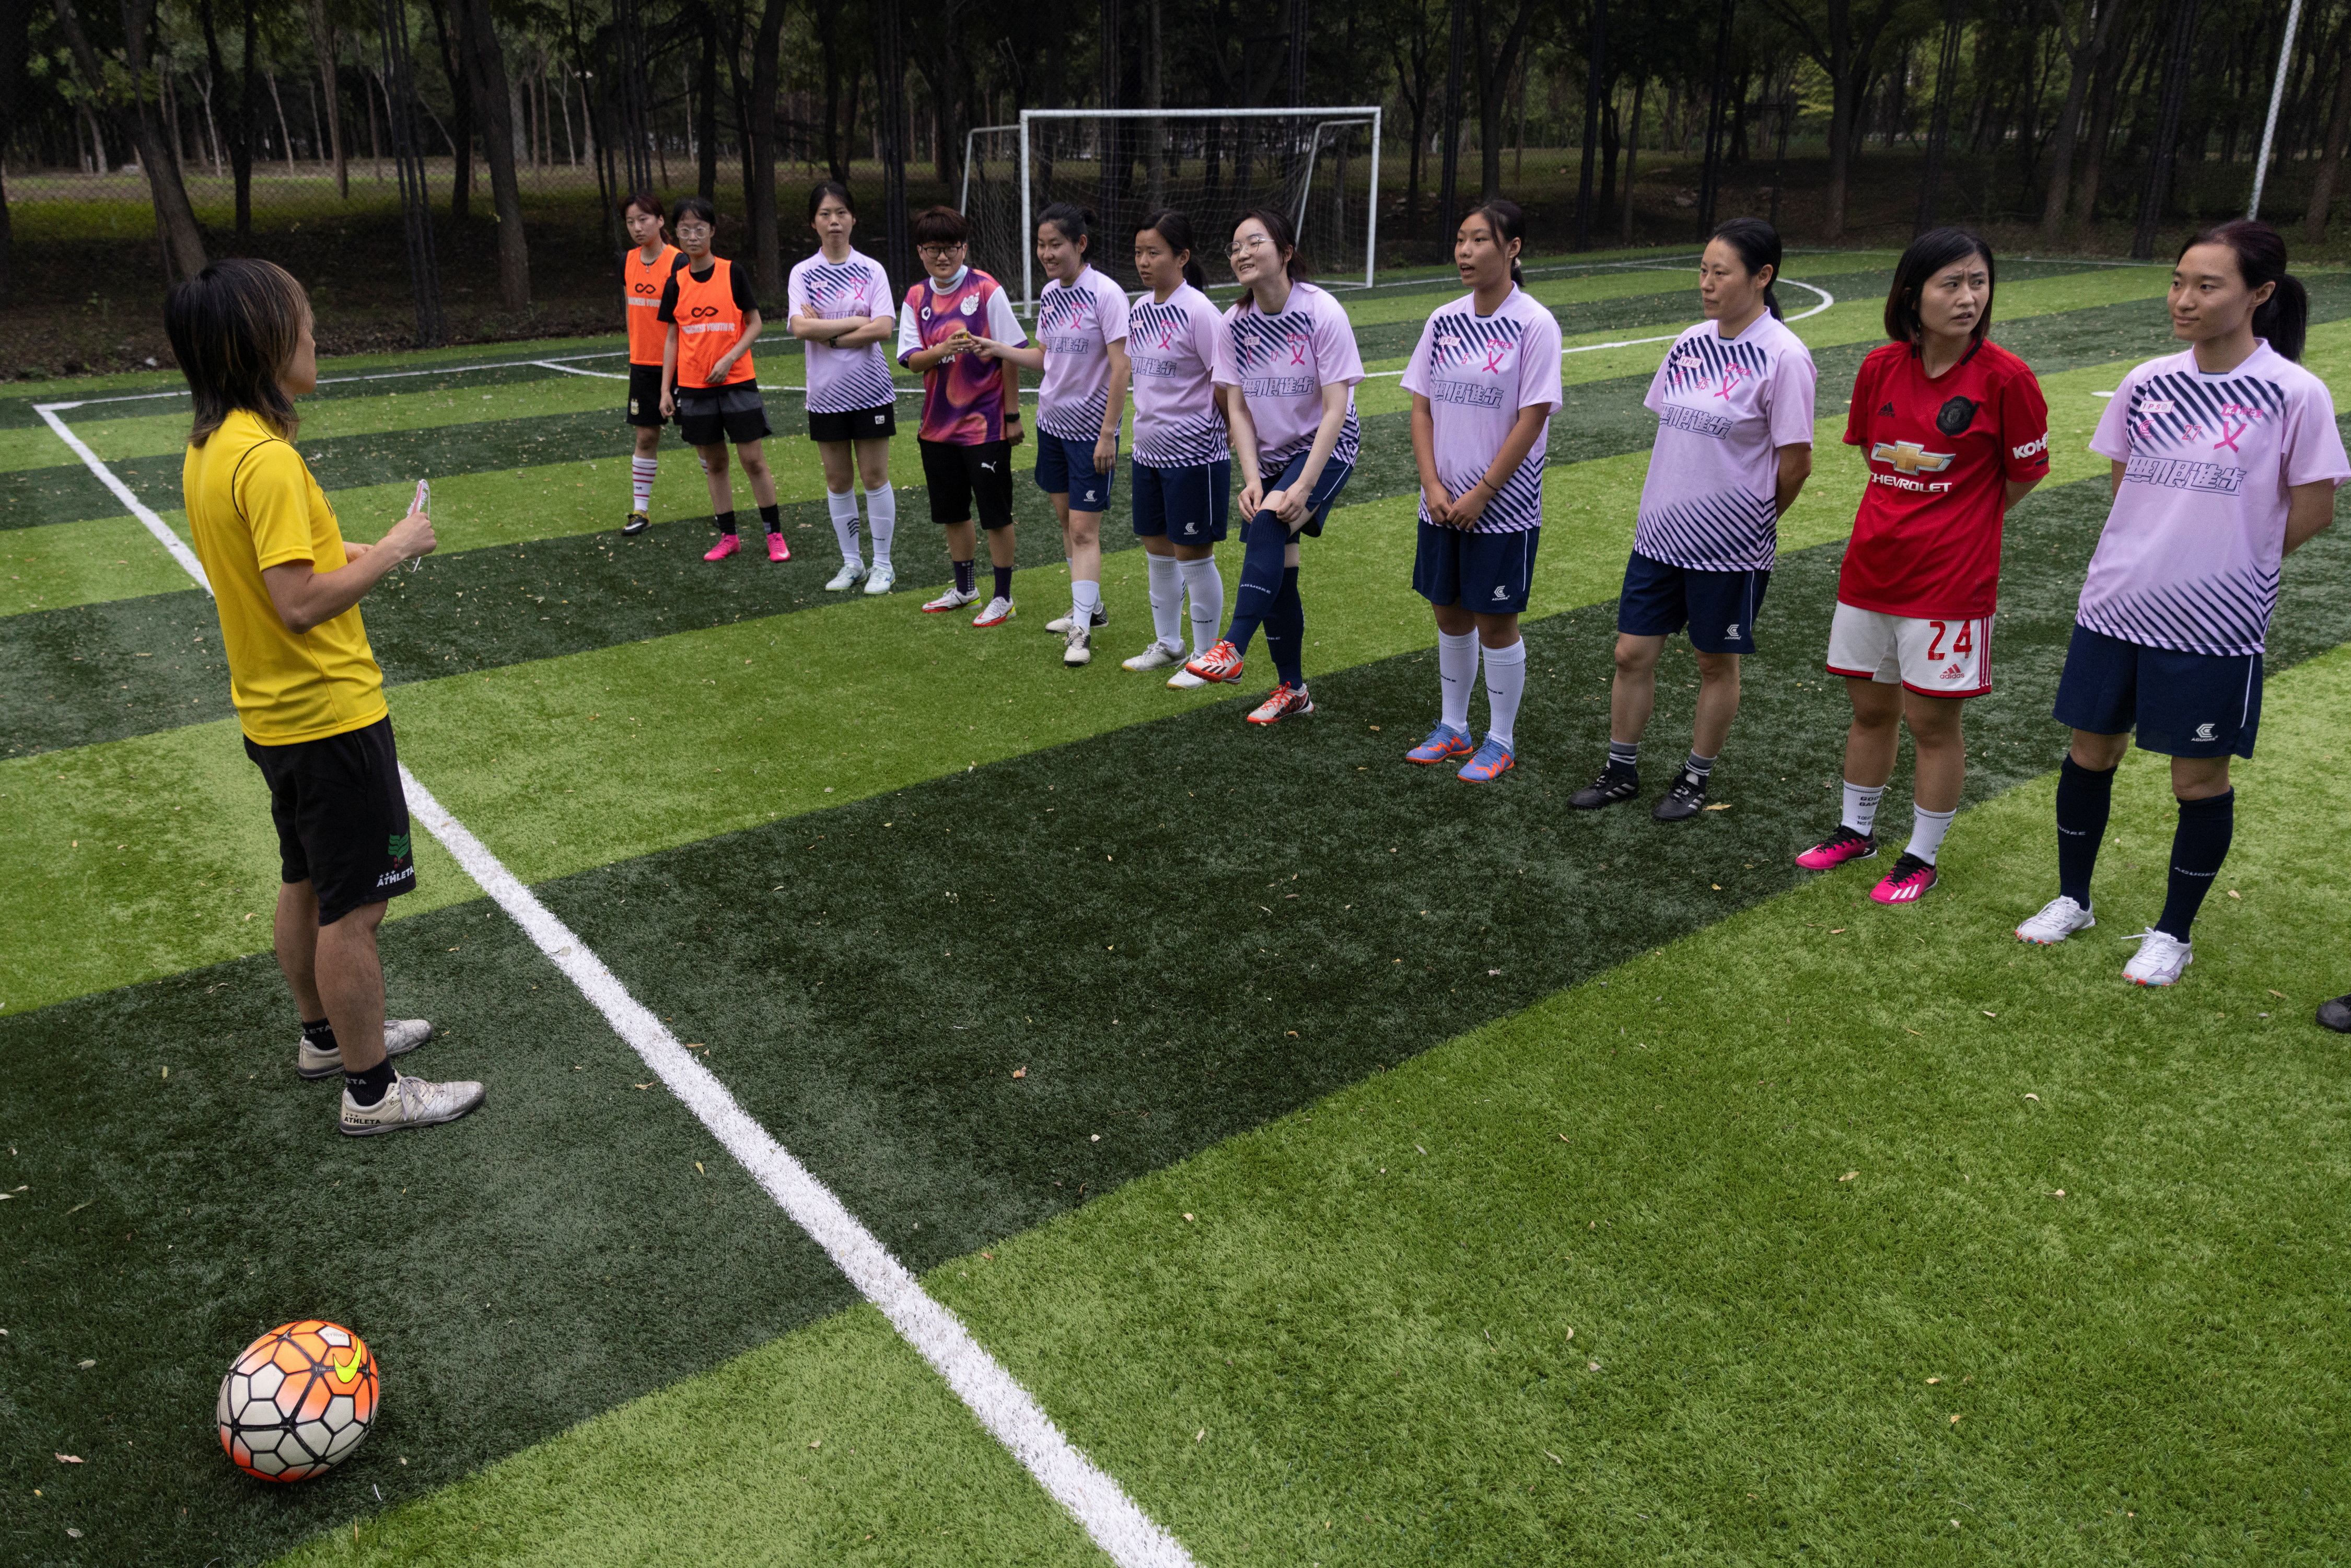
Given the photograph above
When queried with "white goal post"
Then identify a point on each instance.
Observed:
(1320, 164)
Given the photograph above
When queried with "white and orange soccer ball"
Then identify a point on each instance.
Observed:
(298, 1400)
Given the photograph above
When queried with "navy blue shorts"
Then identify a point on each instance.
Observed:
(1185, 505)
(1066, 468)
(1490, 573)
(1326, 490)
(2182, 705)
(1718, 607)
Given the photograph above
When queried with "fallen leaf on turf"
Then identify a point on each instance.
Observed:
(1187, 1220)
(1020, 1072)
(1570, 1334)
(1554, 1459)
(990, 1256)
(816, 1442)
(1565, 1139)
(1934, 1380)
(1200, 1433)
(1417, 1146)
(1848, 1175)
(85, 1366)
(643, 1086)
(2234, 893)
(68, 1459)
(1907, 1029)
(2059, 1192)
(1094, 1138)
(1289, 1034)
(1718, 887)
(1375, 729)
(1988, 1013)
(2034, 1098)
(697, 1168)
(1955, 1421)
(1592, 1367)
(1836, 930)
(76, 1535)
(1719, 806)
(1493, 971)
(2279, 995)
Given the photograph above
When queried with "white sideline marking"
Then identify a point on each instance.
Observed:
(372, 376)
(1011, 1415)
(1827, 299)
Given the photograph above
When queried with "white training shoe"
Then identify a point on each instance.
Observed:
(1078, 639)
(2160, 958)
(409, 1102)
(851, 574)
(2059, 918)
(1060, 624)
(1185, 680)
(1158, 656)
(400, 1036)
(882, 579)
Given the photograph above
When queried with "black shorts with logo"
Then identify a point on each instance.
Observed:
(968, 481)
(644, 396)
(712, 416)
(859, 424)
(342, 820)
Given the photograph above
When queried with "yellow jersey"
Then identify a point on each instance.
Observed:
(252, 504)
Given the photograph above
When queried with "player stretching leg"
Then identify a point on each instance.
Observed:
(1956, 433)
(1181, 475)
(308, 694)
(1290, 348)
(2225, 461)
(1485, 382)
(840, 308)
(971, 408)
(709, 381)
(1081, 345)
(644, 270)
(1734, 406)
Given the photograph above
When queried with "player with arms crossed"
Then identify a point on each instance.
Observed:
(1182, 475)
(1956, 431)
(1485, 381)
(1290, 349)
(709, 381)
(2226, 457)
(971, 409)
(644, 270)
(840, 302)
(1734, 406)
(308, 692)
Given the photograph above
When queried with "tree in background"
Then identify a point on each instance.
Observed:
(132, 95)
(1842, 37)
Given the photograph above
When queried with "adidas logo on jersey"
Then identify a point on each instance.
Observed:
(1953, 672)
(1886, 412)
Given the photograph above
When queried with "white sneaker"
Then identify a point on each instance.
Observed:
(409, 1102)
(851, 574)
(1158, 656)
(400, 1036)
(882, 579)
(953, 599)
(999, 610)
(1060, 624)
(2059, 918)
(1185, 680)
(1079, 640)
(2160, 957)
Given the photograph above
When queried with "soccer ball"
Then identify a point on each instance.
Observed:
(298, 1400)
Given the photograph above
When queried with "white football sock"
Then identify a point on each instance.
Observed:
(1506, 682)
(641, 480)
(1456, 673)
(1207, 594)
(1927, 830)
(1861, 808)
(1167, 601)
(882, 520)
(1086, 597)
(843, 508)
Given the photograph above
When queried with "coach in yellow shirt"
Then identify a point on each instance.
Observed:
(308, 690)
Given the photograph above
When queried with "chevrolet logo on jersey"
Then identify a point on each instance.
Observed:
(1909, 457)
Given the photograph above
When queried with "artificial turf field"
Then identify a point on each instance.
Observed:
(1396, 1172)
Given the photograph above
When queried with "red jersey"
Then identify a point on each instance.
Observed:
(1927, 540)
(641, 293)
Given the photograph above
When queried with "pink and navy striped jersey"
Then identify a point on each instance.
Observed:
(2189, 557)
(1076, 324)
(1724, 409)
(1173, 347)
(1282, 363)
(1477, 372)
(965, 397)
(843, 380)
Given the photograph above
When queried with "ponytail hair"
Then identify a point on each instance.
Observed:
(1176, 228)
(1076, 224)
(2284, 318)
(1758, 245)
(1284, 235)
(1509, 222)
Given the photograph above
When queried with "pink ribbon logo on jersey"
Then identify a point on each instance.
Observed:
(1494, 356)
(1297, 348)
(2229, 435)
(1731, 374)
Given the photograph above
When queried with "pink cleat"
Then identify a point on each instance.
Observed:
(1907, 883)
(777, 548)
(1839, 847)
(727, 545)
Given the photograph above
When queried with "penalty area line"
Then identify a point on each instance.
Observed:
(1011, 1415)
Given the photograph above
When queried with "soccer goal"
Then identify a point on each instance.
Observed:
(1319, 165)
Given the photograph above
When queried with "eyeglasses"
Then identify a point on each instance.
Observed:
(1242, 247)
(694, 228)
(939, 252)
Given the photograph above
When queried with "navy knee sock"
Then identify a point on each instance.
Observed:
(2084, 797)
(1285, 630)
(1264, 544)
(2199, 845)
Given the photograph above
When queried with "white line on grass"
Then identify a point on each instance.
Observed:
(372, 376)
(1827, 299)
(1010, 1412)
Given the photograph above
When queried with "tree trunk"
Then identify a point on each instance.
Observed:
(2156, 188)
(460, 129)
(705, 130)
(1496, 68)
(2069, 123)
(322, 35)
(1844, 113)
(1595, 84)
(1448, 186)
(2330, 167)
(759, 154)
(1611, 137)
(1632, 157)
(180, 235)
(248, 113)
(890, 128)
(487, 67)
(1938, 125)
(284, 134)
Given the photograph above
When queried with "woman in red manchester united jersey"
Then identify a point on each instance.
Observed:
(1955, 433)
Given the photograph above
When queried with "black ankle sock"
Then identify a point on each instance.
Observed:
(2198, 847)
(726, 521)
(963, 574)
(1004, 583)
(369, 1088)
(772, 518)
(2085, 798)
(320, 1035)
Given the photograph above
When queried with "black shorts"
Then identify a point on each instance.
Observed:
(967, 481)
(644, 397)
(343, 821)
(713, 415)
(862, 424)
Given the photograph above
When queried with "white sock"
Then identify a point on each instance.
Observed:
(641, 480)
(1456, 673)
(1207, 594)
(1086, 597)
(1861, 808)
(1927, 830)
(1167, 601)
(843, 508)
(1506, 682)
(882, 520)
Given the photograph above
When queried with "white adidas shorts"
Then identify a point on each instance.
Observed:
(1933, 658)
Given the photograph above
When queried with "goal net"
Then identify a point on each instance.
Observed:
(1320, 166)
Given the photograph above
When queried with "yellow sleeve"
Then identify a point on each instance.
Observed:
(271, 488)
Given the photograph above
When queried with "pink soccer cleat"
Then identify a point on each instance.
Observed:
(777, 548)
(727, 545)
(1907, 883)
(1839, 847)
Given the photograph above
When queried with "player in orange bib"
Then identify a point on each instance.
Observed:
(644, 271)
(709, 381)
